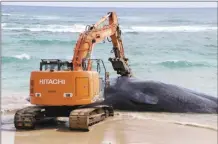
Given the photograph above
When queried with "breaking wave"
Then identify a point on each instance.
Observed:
(126, 29)
(169, 29)
(3, 24)
(175, 21)
(49, 28)
(33, 17)
(6, 14)
(25, 57)
(14, 101)
(48, 42)
(182, 64)
(21, 57)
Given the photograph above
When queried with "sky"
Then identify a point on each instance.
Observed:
(116, 4)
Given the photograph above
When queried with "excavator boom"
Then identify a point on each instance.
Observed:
(93, 35)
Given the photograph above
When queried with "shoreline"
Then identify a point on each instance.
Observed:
(124, 127)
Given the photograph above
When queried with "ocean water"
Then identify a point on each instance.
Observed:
(177, 46)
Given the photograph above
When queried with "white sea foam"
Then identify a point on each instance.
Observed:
(50, 28)
(3, 24)
(129, 29)
(6, 14)
(40, 17)
(169, 28)
(13, 100)
(170, 118)
(23, 56)
(46, 17)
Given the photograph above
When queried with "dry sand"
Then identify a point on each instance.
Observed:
(125, 128)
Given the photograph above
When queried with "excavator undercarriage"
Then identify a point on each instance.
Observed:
(80, 118)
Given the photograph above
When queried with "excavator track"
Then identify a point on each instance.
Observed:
(80, 118)
(83, 118)
(28, 117)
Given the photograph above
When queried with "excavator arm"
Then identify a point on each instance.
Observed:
(93, 35)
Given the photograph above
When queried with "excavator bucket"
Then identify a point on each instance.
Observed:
(120, 66)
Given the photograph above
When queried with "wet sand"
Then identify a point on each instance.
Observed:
(123, 128)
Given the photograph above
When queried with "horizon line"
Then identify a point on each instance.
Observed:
(107, 7)
(115, 4)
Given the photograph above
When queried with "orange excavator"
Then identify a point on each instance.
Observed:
(62, 88)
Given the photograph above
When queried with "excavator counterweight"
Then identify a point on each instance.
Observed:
(63, 88)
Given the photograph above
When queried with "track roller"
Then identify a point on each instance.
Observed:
(83, 118)
(28, 117)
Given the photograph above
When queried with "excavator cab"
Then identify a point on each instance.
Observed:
(55, 65)
(63, 65)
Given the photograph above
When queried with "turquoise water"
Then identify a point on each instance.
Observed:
(177, 46)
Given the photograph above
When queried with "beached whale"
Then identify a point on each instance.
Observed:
(134, 95)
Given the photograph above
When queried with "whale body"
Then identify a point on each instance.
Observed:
(134, 95)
